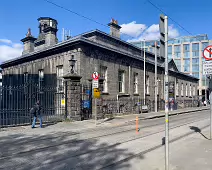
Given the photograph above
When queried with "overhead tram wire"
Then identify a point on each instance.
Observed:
(183, 28)
(85, 17)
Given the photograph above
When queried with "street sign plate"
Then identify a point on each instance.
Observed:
(207, 67)
(95, 84)
(207, 53)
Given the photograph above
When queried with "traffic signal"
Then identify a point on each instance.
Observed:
(163, 27)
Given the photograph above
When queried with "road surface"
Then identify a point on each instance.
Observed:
(109, 148)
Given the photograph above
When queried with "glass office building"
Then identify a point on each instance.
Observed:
(187, 54)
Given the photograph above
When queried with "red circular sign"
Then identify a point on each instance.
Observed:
(95, 75)
(207, 53)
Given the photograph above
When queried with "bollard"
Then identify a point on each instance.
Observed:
(136, 124)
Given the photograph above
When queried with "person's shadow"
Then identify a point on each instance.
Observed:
(198, 130)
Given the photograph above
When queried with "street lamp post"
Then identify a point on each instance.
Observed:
(144, 73)
(156, 80)
(72, 62)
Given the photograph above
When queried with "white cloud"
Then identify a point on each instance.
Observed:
(9, 50)
(151, 33)
(173, 32)
(6, 41)
(132, 29)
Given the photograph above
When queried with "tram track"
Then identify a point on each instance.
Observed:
(149, 150)
(96, 150)
(101, 131)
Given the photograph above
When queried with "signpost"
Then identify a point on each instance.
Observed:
(95, 84)
(96, 92)
(207, 67)
(207, 70)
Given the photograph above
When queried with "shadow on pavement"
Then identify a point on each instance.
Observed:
(198, 130)
(59, 153)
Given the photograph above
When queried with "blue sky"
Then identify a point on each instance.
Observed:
(17, 16)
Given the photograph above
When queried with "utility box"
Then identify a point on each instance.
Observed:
(144, 109)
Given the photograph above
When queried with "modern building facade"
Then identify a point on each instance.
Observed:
(120, 64)
(187, 55)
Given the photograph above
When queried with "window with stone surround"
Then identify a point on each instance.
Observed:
(186, 89)
(121, 79)
(177, 89)
(25, 77)
(40, 79)
(147, 84)
(59, 72)
(190, 94)
(157, 85)
(182, 89)
(194, 90)
(105, 77)
(135, 81)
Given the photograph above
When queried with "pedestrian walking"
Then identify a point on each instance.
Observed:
(36, 112)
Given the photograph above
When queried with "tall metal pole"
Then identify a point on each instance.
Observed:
(210, 98)
(144, 74)
(166, 96)
(95, 100)
(156, 106)
(205, 92)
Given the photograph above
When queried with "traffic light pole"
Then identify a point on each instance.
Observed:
(166, 96)
(210, 98)
(163, 25)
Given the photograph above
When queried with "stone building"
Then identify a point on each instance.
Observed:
(120, 64)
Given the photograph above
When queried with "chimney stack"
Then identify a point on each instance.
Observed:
(28, 42)
(47, 33)
(114, 28)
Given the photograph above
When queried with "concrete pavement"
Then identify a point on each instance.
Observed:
(193, 152)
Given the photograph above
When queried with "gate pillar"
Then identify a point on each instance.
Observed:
(73, 96)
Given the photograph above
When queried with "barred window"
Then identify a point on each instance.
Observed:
(59, 78)
(40, 79)
(194, 90)
(190, 90)
(182, 89)
(177, 89)
(25, 78)
(135, 80)
(147, 84)
(104, 75)
(121, 81)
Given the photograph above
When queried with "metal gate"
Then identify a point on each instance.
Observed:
(86, 100)
(16, 102)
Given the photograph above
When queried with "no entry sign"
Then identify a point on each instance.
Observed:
(95, 75)
(207, 53)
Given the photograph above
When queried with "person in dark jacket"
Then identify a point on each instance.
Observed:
(36, 112)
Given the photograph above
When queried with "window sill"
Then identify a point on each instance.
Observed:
(59, 92)
(182, 96)
(136, 94)
(147, 94)
(123, 94)
(177, 95)
(105, 93)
